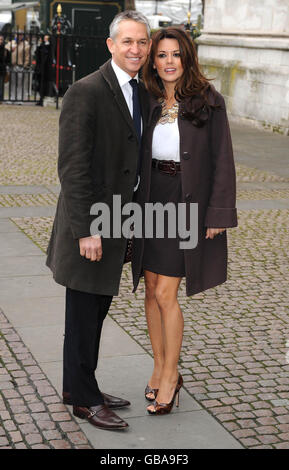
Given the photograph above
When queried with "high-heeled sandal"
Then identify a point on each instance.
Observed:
(148, 390)
(166, 408)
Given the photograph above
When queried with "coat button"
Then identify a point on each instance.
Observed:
(186, 156)
(126, 171)
(130, 137)
(188, 197)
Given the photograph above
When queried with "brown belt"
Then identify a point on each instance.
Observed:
(170, 167)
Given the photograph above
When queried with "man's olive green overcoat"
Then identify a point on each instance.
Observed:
(98, 152)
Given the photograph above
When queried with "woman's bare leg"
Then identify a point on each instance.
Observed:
(166, 292)
(154, 323)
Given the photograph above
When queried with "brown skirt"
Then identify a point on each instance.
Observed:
(163, 255)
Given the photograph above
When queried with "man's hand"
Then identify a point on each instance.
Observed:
(91, 247)
(212, 232)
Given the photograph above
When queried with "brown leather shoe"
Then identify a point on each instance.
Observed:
(109, 400)
(100, 416)
(114, 402)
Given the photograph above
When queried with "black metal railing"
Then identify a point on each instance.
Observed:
(17, 64)
(36, 65)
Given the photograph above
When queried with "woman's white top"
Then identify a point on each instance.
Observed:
(166, 141)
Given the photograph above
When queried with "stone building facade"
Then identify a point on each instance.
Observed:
(245, 46)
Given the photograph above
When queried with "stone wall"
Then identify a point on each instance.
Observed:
(245, 46)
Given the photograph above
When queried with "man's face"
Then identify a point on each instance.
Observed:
(130, 47)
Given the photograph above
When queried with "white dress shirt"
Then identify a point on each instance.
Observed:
(126, 88)
(166, 141)
(123, 80)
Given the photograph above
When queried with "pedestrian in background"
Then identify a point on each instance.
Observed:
(20, 61)
(43, 74)
(5, 58)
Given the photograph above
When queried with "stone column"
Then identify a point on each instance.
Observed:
(245, 46)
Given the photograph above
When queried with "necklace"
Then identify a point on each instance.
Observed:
(168, 114)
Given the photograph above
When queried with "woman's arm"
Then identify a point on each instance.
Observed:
(221, 212)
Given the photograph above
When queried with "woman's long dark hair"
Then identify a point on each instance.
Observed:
(192, 82)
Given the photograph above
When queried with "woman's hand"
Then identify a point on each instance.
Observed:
(212, 232)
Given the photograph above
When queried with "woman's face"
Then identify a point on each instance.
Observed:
(168, 61)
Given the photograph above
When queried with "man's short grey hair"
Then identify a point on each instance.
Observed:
(128, 15)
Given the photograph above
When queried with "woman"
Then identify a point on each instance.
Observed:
(187, 158)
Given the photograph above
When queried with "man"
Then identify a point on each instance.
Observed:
(43, 72)
(20, 60)
(99, 145)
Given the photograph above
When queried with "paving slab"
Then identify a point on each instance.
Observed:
(265, 204)
(54, 188)
(23, 189)
(36, 311)
(260, 149)
(46, 342)
(255, 185)
(48, 211)
(25, 265)
(117, 342)
(15, 245)
(188, 430)
(7, 226)
(29, 287)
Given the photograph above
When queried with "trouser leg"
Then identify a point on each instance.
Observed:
(13, 79)
(19, 89)
(84, 317)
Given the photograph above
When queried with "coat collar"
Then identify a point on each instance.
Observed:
(154, 105)
(110, 77)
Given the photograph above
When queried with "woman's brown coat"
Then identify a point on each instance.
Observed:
(208, 178)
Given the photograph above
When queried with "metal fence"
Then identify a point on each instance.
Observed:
(35, 65)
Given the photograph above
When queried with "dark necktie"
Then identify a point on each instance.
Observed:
(136, 107)
(136, 114)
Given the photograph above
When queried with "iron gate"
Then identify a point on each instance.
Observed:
(35, 65)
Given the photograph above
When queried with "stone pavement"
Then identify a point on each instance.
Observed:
(235, 355)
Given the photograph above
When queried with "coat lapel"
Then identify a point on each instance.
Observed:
(108, 74)
(144, 102)
(154, 110)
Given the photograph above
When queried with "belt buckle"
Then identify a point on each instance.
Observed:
(173, 168)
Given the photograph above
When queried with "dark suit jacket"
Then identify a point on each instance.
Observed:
(5, 58)
(98, 152)
(208, 179)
